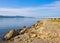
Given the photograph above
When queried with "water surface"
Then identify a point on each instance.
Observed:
(7, 24)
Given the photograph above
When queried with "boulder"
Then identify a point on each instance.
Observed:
(9, 35)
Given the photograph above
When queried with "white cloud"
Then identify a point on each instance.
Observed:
(52, 9)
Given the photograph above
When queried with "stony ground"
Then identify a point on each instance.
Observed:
(46, 31)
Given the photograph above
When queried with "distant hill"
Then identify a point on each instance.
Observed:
(15, 17)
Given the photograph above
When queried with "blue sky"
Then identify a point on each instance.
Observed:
(34, 8)
(24, 3)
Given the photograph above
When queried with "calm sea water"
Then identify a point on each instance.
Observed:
(7, 24)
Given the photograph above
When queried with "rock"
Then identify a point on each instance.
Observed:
(9, 35)
(18, 30)
(33, 35)
(35, 25)
(16, 37)
(29, 40)
(22, 31)
(24, 26)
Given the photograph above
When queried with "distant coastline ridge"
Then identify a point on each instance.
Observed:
(15, 17)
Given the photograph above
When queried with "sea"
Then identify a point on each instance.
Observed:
(6, 24)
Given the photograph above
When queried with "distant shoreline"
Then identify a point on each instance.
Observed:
(15, 17)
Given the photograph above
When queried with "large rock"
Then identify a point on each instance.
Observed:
(9, 35)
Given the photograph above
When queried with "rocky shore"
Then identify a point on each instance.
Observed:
(44, 31)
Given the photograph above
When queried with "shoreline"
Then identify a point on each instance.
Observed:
(39, 32)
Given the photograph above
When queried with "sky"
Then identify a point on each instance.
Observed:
(32, 8)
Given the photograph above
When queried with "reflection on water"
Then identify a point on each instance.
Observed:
(15, 23)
